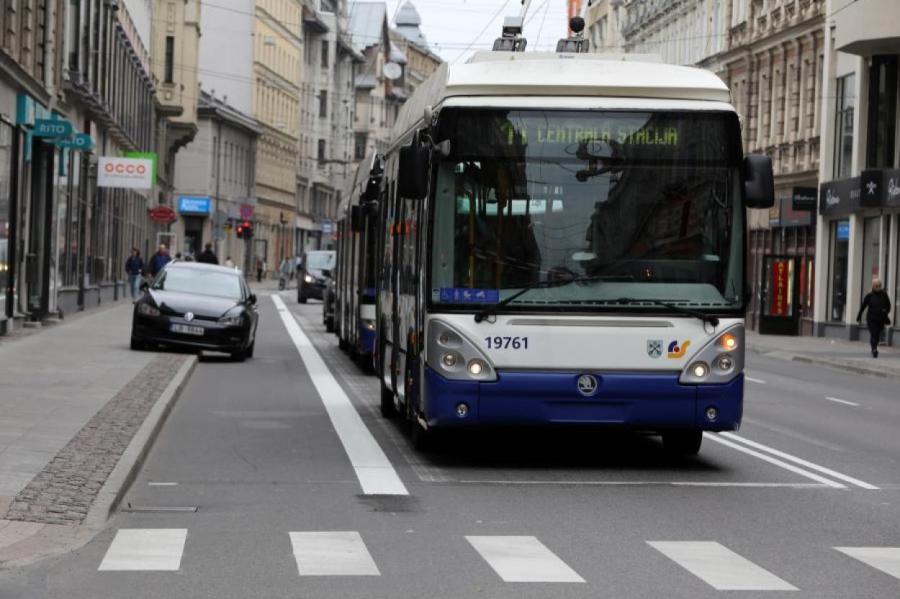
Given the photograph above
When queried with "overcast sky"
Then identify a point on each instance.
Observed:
(452, 25)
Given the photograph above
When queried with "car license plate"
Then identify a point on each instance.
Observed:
(186, 330)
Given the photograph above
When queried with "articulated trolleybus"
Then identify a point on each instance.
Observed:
(563, 242)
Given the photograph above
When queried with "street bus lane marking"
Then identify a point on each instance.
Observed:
(885, 559)
(800, 461)
(374, 470)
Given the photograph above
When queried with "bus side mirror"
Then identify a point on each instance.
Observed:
(759, 181)
(356, 218)
(412, 180)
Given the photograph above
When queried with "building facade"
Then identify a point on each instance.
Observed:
(325, 157)
(75, 85)
(858, 219)
(773, 66)
(604, 21)
(685, 32)
(215, 175)
(407, 37)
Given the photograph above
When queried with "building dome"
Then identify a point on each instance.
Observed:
(407, 25)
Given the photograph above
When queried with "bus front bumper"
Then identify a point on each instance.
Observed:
(632, 400)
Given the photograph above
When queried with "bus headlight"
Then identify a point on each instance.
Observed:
(369, 325)
(454, 356)
(719, 361)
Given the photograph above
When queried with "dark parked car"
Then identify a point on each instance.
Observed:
(197, 306)
(311, 283)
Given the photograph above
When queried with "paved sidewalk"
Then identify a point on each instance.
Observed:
(852, 356)
(73, 399)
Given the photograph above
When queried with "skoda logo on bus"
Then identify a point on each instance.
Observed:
(587, 385)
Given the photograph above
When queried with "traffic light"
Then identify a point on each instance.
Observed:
(244, 229)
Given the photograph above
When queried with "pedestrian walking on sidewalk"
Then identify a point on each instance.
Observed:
(208, 256)
(134, 266)
(260, 267)
(878, 305)
(159, 260)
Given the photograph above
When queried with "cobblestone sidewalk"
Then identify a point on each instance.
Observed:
(62, 493)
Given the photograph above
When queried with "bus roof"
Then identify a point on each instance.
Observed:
(550, 74)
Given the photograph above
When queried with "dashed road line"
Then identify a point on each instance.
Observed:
(843, 401)
(337, 553)
(720, 567)
(145, 550)
(522, 559)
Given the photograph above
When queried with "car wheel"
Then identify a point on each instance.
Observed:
(249, 352)
(682, 442)
(239, 356)
(137, 345)
(301, 299)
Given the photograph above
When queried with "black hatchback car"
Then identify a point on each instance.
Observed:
(197, 307)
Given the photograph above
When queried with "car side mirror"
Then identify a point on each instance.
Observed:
(413, 176)
(759, 181)
(252, 298)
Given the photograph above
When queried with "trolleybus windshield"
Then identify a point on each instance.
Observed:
(646, 205)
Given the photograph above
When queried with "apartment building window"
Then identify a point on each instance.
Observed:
(843, 126)
(73, 29)
(362, 139)
(321, 152)
(170, 59)
(328, 6)
(882, 112)
(325, 54)
(323, 104)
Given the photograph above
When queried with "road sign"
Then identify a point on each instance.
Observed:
(327, 227)
(246, 212)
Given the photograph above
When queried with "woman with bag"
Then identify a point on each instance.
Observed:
(879, 307)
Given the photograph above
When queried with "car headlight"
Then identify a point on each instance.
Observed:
(454, 356)
(148, 309)
(231, 320)
(309, 278)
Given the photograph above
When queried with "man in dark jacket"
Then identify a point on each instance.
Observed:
(208, 256)
(879, 307)
(159, 260)
(134, 266)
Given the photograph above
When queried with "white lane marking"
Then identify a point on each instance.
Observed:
(802, 462)
(161, 484)
(775, 462)
(886, 559)
(720, 567)
(753, 380)
(336, 553)
(843, 401)
(522, 559)
(145, 549)
(635, 483)
(374, 470)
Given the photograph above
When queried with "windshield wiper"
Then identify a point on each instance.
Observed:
(714, 321)
(492, 309)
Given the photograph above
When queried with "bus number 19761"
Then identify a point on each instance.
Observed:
(506, 342)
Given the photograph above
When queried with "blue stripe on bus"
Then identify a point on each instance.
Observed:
(642, 400)
(366, 340)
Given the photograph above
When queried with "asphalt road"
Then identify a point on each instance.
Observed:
(271, 452)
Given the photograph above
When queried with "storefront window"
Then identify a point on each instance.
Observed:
(843, 127)
(871, 252)
(840, 249)
(6, 162)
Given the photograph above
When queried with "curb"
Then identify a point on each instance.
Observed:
(119, 480)
(833, 364)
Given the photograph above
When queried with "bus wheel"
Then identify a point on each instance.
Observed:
(422, 438)
(388, 410)
(682, 443)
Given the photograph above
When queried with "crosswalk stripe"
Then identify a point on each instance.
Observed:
(522, 559)
(720, 567)
(335, 553)
(145, 549)
(886, 559)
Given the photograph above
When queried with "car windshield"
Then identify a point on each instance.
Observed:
(644, 205)
(199, 282)
(320, 260)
